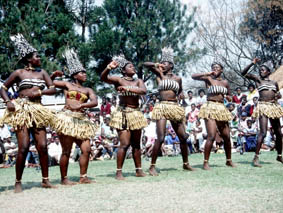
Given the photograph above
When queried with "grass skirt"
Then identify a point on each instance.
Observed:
(74, 124)
(127, 118)
(270, 110)
(168, 110)
(215, 110)
(27, 113)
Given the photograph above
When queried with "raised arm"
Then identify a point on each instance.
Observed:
(154, 67)
(202, 76)
(141, 90)
(250, 76)
(105, 74)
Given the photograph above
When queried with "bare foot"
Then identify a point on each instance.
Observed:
(230, 163)
(279, 158)
(18, 187)
(119, 175)
(86, 180)
(206, 166)
(140, 173)
(152, 171)
(67, 182)
(256, 162)
(46, 184)
(188, 167)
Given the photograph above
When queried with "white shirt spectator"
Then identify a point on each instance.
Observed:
(4, 132)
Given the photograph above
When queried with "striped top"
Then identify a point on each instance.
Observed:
(32, 82)
(128, 93)
(216, 89)
(267, 87)
(168, 84)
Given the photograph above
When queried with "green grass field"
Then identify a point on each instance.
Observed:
(223, 189)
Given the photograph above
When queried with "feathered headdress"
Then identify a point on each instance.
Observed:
(167, 55)
(24, 48)
(73, 63)
(121, 60)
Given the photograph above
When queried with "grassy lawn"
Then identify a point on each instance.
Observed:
(223, 189)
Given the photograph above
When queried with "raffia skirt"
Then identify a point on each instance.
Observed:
(215, 110)
(270, 110)
(74, 124)
(126, 118)
(168, 110)
(27, 114)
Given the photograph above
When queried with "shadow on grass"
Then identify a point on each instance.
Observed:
(25, 185)
(125, 174)
(200, 166)
(251, 163)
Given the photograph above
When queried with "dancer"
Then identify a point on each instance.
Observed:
(72, 124)
(26, 114)
(170, 87)
(127, 119)
(215, 114)
(267, 108)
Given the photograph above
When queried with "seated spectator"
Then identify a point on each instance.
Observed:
(190, 100)
(252, 92)
(248, 139)
(237, 97)
(244, 107)
(107, 135)
(97, 149)
(2, 153)
(253, 105)
(201, 99)
(55, 151)
(4, 132)
(234, 133)
(11, 150)
(149, 133)
(105, 108)
(199, 133)
(192, 116)
(173, 140)
(32, 159)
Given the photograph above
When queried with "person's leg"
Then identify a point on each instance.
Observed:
(136, 151)
(275, 123)
(211, 129)
(23, 148)
(124, 137)
(84, 160)
(224, 130)
(66, 143)
(263, 121)
(41, 146)
(160, 130)
(181, 133)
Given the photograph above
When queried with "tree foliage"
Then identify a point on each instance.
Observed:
(263, 23)
(139, 30)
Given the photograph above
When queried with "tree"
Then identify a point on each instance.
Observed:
(263, 24)
(139, 30)
(45, 24)
(223, 40)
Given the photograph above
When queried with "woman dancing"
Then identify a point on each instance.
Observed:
(127, 119)
(215, 114)
(72, 124)
(26, 114)
(170, 87)
(267, 108)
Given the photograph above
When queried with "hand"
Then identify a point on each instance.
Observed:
(11, 106)
(122, 89)
(58, 73)
(256, 60)
(75, 107)
(160, 66)
(35, 93)
(113, 65)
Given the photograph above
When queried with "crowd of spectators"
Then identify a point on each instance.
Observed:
(105, 143)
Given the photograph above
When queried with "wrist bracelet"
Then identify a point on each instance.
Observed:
(109, 67)
(6, 101)
(4, 87)
(40, 93)
(156, 65)
(52, 86)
